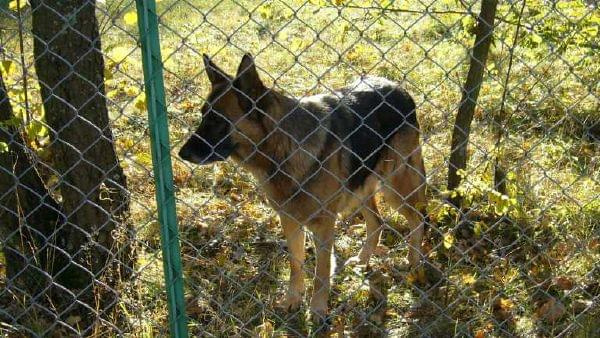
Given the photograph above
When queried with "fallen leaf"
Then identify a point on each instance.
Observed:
(551, 310)
(468, 279)
(381, 250)
(448, 240)
(563, 283)
(581, 305)
(502, 308)
(594, 244)
(264, 330)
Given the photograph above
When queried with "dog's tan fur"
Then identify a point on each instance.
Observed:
(312, 196)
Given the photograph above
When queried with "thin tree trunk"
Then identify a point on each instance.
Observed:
(70, 70)
(470, 93)
(501, 120)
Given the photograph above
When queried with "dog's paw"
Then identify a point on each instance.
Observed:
(363, 258)
(289, 303)
(318, 308)
(381, 250)
(319, 315)
(356, 260)
(321, 323)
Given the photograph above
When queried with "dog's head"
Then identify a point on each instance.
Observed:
(231, 116)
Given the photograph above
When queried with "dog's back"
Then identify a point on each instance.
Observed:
(369, 112)
(352, 129)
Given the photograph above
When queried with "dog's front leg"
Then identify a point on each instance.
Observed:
(295, 236)
(323, 231)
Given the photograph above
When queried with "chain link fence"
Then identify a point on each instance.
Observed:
(499, 99)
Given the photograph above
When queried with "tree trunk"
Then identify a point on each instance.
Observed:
(470, 93)
(70, 70)
(29, 217)
(501, 120)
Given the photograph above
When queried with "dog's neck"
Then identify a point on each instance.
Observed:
(268, 158)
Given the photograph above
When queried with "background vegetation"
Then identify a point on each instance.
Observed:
(524, 263)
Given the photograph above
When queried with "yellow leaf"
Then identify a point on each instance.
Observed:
(143, 158)
(108, 74)
(479, 334)
(448, 240)
(506, 304)
(3, 147)
(130, 18)
(478, 228)
(140, 102)
(131, 91)
(17, 4)
(6, 66)
(111, 94)
(511, 176)
(468, 279)
(411, 278)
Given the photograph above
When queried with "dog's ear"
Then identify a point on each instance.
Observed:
(215, 74)
(248, 84)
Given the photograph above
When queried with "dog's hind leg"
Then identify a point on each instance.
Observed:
(295, 237)
(374, 228)
(405, 192)
(322, 228)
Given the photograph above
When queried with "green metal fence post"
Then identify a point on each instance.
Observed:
(161, 159)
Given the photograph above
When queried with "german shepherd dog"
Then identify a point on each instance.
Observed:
(315, 158)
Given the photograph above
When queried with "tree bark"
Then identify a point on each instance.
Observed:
(70, 71)
(29, 213)
(470, 93)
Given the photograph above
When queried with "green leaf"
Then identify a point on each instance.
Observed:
(478, 228)
(266, 11)
(536, 38)
(36, 129)
(3, 147)
(387, 3)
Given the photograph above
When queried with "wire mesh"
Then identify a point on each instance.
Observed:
(518, 256)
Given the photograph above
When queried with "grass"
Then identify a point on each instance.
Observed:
(501, 270)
